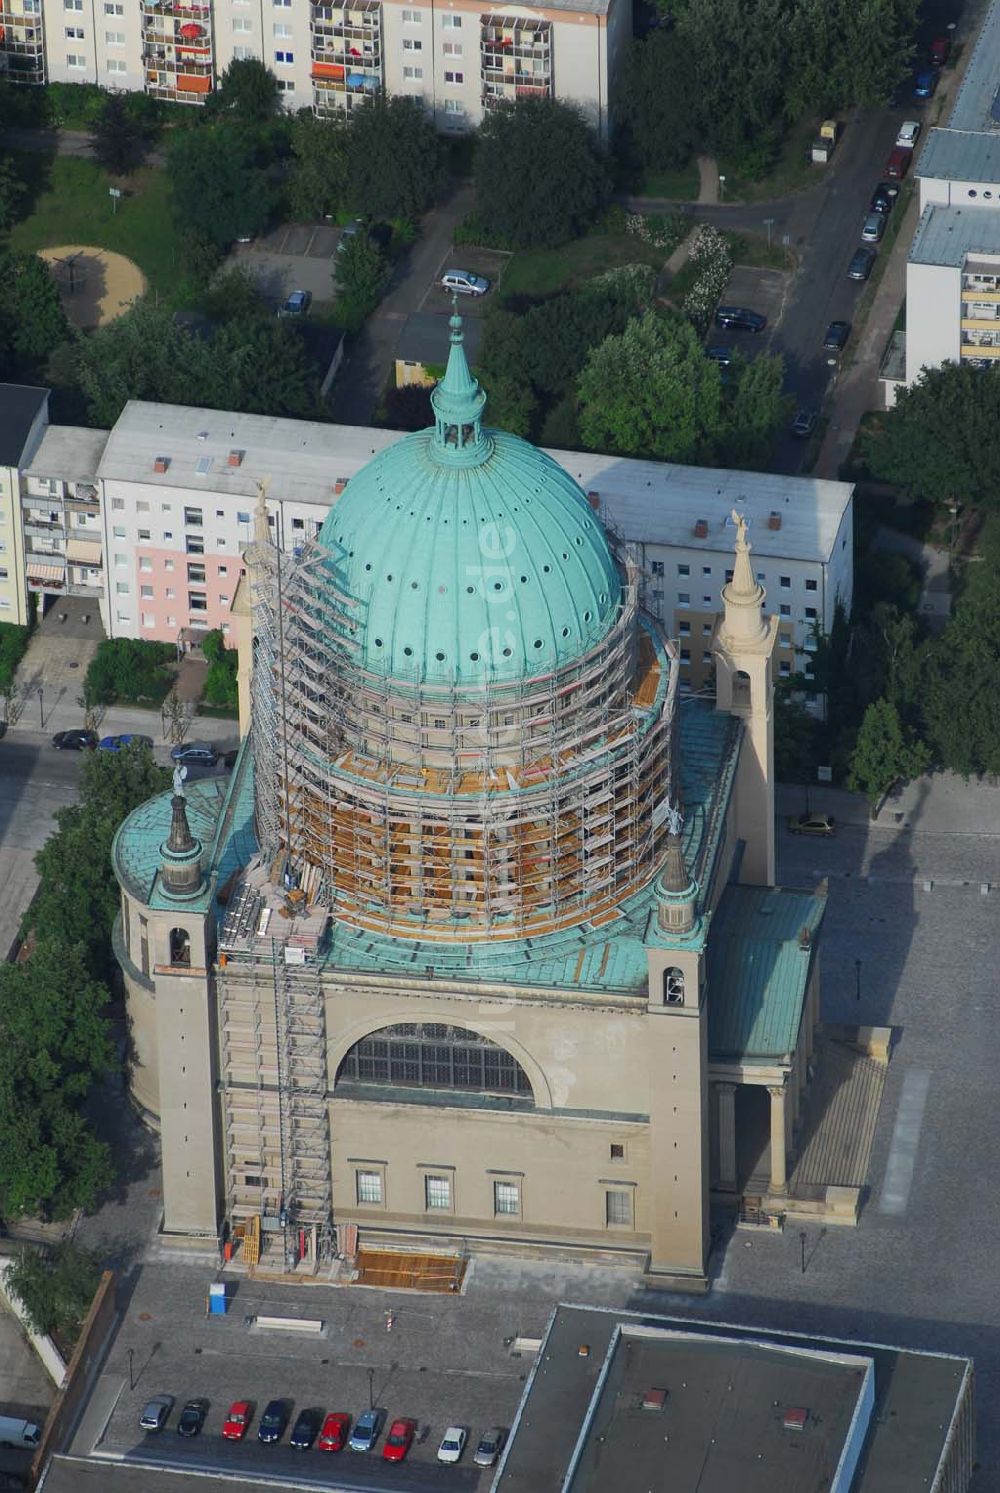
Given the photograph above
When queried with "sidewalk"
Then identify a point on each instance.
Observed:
(941, 803)
(64, 714)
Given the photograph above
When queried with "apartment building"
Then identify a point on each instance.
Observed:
(460, 59)
(953, 270)
(24, 414)
(152, 518)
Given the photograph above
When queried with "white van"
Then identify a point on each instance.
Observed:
(17, 1432)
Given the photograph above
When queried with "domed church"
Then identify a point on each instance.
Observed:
(478, 946)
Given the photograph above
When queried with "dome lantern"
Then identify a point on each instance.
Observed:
(458, 402)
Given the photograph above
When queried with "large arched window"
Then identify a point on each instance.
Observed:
(431, 1056)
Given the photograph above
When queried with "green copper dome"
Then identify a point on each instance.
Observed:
(474, 557)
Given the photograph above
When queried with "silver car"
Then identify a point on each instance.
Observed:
(873, 228)
(464, 282)
(156, 1412)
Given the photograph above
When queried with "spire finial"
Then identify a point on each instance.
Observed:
(458, 403)
(180, 853)
(743, 596)
(261, 528)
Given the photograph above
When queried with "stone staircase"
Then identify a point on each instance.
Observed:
(840, 1118)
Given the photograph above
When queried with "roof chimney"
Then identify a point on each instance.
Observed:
(338, 486)
(701, 528)
(594, 499)
(161, 463)
(236, 458)
(774, 520)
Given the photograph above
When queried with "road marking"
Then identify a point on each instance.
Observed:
(905, 1140)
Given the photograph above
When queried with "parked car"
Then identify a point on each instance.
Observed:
(366, 1429)
(836, 335)
(273, 1422)
(873, 228)
(452, 1444)
(804, 423)
(740, 318)
(811, 824)
(235, 1425)
(119, 743)
(882, 201)
(200, 753)
(861, 263)
(464, 282)
(898, 163)
(490, 1446)
(939, 51)
(156, 1413)
(333, 1436)
(349, 232)
(192, 1418)
(305, 1429)
(909, 134)
(723, 355)
(75, 741)
(925, 83)
(296, 304)
(399, 1440)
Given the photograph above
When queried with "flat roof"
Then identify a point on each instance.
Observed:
(961, 155)
(71, 453)
(19, 407)
(948, 235)
(426, 338)
(974, 100)
(66, 1474)
(658, 502)
(571, 1401)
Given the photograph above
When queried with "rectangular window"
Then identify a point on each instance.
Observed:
(197, 601)
(437, 1193)
(811, 585)
(115, 38)
(117, 64)
(706, 658)
(412, 17)
(706, 629)
(618, 1208)
(453, 106)
(285, 59)
(75, 33)
(411, 44)
(113, 8)
(454, 78)
(685, 655)
(242, 23)
(785, 609)
(121, 588)
(706, 570)
(146, 592)
(283, 4)
(171, 593)
(685, 629)
(298, 523)
(811, 613)
(192, 517)
(196, 574)
(784, 668)
(145, 563)
(506, 1199)
(242, 518)
(684, 598)
(657, 567)
(118, 531)
(240, 54)
(451, 23)
(282, 31)
(683, 570)
(144, 534)
(168, 564)
(452, 49)
(194, 544)
(617, 1151)
(286, 85)
(74, 61)
(368, 1186)
(414, 73)
(223, 570)
(785, 582)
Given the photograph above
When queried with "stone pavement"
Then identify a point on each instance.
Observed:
(25, 1387)
(940, 803)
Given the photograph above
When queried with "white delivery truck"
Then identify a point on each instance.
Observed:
(17, 1432)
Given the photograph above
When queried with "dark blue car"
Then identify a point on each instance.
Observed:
(925, 83)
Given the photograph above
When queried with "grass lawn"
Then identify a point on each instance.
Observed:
(540, 272)
(676, 186)
(754, 252)
(73, 207)
(793, 171)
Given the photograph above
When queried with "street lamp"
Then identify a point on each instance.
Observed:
(769, 224)
(802, 1241)
(857, 979)
(722, 187)
(371, 1389)
(953, 509)
(41, 708)
(131, 1376)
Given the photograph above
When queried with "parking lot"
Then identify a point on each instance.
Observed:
(434, 1366)
(490, 263)
(296, 256)
(758, 290)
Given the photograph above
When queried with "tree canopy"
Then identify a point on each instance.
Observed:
(319, 172)
(361, 274)
(884, 753)
(222, 181)
(247, 90)
(939, 439)
(120, 135)
(221, 686)
(32, 321)
(541, 176)
(395, 158)
(55, 1288)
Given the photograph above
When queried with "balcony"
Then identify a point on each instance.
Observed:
(39, 530)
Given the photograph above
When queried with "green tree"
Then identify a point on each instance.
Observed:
(958, 694)
(395, 159)
(656, 103)
(119, 137)
(221, 687)
(55, 1288)
(222, 181)
(756, 410)
(247, 90)
(54, 1046)
(884, 753)
(262, 367)
(128, 669)
(503, 363)
(541, 175)
(561, 332)
(651, 392)
(361, 275)
(319, 171)
(141, 355)
(13, 645)
(795, 738)
(32, 321)
(12, 191)
(938, 440)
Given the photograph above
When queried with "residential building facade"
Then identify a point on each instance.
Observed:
(24, 415)
(460, 59)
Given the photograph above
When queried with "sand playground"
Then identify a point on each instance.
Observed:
(95, 285)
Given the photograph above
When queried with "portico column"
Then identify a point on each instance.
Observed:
(727, 1135)
(779, 1178)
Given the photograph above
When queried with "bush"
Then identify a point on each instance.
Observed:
(129, 670)
(55, 1289)
(13, 646)
(221, 688)
(473, 231)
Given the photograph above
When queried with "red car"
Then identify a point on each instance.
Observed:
(334, 1433)
(940, 48)
(234, 1427)
(399, 1440)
